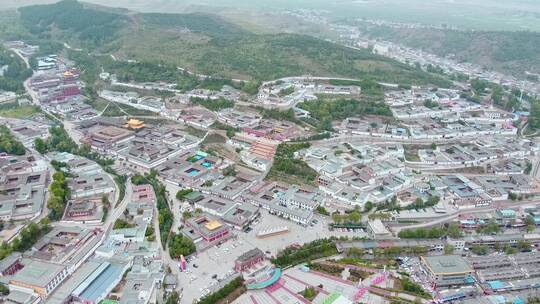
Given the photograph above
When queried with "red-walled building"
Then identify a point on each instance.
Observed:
(71, 91)
(210, 229)
(11, 264)
(248, 260)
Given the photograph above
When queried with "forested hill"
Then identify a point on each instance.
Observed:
(211, 25)
(509, 52)
(90, 26)
(210, 45)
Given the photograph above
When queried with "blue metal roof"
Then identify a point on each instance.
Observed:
(496, 284)
(518, 300)
(259, 285)
(499, 299)
(102, 283)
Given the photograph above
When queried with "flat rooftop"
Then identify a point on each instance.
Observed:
(447, 264)
(217, 204)
(37, 273)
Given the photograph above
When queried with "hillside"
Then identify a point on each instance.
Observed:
(12, 78)
(465, 14)
(88, 26)
(209, 45)
(509, 52)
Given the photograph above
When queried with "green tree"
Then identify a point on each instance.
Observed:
(305, 253)
(325, 111)
(121, 224)
(286, 92)
(149, 231)
(105, 200)
(449, 249)
(173, 298)
(213, 104)
(40, 145)
(4, 290)
(530, 224)
(454, 231)
(413, 287)
(321, 210)
(479, 249)
(186, 215)
(336, 217)
(230, 171)
(286, 165)
(528, 168)
(368, 206)
(56, 207)
(180, 245)
(524, 245)
(251, 87)
(181, 194)
(309, 293)
(510, 250)
(355, 216)
(222, 293)
(8, 142)
(423, 233)
(492, 227)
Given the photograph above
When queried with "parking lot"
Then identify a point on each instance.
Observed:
(219, 261)
(418, 274)
(211, 269)
(297, 234)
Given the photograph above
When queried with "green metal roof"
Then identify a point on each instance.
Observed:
(331, 298)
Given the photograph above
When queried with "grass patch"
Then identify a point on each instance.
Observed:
(194, 131)
(288, 169)
(20, 112)
(309, 293)
(412, 155)
(213, 139)
(117, 109)
(230, 131)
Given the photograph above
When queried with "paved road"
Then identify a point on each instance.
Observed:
(380, 140)
(117, 211)
(444, 219)
(72, 131)
(165, 257)
(18, 53)
(536, 167)
(311, 78)
(35, 98)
